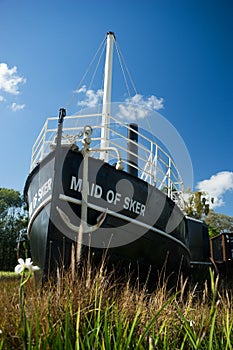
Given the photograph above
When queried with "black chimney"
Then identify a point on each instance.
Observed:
(133, 149)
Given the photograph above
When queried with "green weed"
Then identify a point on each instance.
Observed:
(98, 312)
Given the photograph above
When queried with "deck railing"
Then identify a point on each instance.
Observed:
(154, 163)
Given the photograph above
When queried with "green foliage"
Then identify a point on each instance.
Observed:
(98, 314)
(13, 227)
(213, 231)
(218, 223)
(9, 198)
(197, 205)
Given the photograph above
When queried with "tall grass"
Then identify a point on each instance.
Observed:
(95, 311)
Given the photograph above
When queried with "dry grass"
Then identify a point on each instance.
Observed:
(95, 311)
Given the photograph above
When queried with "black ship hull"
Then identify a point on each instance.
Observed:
(134, 223)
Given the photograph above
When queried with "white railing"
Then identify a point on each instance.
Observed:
(154, 164)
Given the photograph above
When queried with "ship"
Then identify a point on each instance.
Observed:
(100, 185)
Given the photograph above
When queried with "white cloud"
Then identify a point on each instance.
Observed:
(16, 107)
(216, 186)
(152, 102)
(134, 108)
(138, 107)
(9, 80)
(82, 89)
(92, 98)
(2, 98)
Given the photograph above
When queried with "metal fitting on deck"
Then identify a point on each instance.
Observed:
(86, 141)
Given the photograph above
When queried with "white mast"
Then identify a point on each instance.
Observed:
(107, 95)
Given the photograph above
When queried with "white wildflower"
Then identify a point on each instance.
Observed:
(25, 265)
(191, 323)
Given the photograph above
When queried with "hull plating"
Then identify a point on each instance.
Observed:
(141, 225)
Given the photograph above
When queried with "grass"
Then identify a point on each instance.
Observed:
(96, 311)
(8, 274)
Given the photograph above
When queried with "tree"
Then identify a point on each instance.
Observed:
(197, 204)
(13, 228)
(218, 223)
(9, 199)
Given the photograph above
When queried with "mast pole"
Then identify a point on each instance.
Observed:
(107, 95)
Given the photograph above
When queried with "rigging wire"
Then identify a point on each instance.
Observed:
(123, 72)
(124, 69)
(97, 66)
(85, 74)
(103, 45)
(122, 64)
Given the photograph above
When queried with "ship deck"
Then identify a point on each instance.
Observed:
(147, 157)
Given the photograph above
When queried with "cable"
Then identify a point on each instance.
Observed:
(85, 74)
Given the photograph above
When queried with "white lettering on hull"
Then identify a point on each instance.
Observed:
(134, 206)
(94, 190)
(39, 195)
(112, 197)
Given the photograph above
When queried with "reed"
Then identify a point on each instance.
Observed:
(94, 310)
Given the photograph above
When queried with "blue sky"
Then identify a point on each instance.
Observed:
(181, 51)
